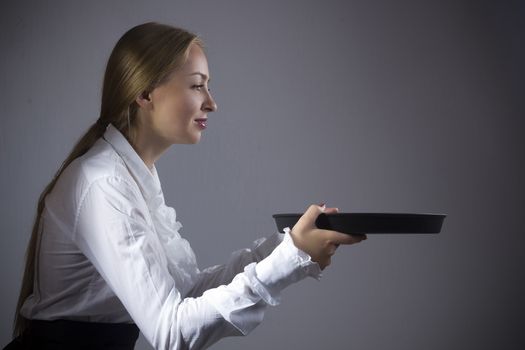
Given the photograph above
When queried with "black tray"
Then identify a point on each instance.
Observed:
(355, 223)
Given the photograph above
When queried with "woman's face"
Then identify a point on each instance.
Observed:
(174, 106)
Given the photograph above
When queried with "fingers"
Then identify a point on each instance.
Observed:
(334, 236)
(343, 238)
(331, 249)
(325, 263)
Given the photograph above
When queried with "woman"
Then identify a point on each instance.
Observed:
(105, 258)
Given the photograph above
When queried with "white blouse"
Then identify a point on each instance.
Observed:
(110, 251)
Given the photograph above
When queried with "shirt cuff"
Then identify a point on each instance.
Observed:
(287, 264)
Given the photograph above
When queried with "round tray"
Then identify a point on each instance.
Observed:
(355, 223)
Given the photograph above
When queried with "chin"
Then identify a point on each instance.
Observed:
(193, 140)
(188, 139)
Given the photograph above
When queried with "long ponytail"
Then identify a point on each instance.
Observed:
(141, 60)
(29, 272)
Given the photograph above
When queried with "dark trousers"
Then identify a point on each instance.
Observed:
(64, 334)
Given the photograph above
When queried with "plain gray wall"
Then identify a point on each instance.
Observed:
(383, 106)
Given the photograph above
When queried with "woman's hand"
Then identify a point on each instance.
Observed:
(319, 244)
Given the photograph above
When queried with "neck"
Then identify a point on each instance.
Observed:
(148, 147)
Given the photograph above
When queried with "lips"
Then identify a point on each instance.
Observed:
(201, 122)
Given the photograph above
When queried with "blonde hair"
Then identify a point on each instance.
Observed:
(143, 58)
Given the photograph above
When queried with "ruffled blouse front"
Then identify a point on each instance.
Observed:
(182, 263)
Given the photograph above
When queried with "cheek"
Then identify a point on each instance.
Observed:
(183, 108)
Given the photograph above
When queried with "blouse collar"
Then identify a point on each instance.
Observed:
(147, 180)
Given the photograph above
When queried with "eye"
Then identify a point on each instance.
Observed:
(198, 87)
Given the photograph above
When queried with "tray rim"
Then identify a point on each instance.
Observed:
(369, 214)
(384, 218)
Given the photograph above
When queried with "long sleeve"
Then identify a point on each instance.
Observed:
(113, 229)
(217, 275)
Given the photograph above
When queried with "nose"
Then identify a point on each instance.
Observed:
(210, 105)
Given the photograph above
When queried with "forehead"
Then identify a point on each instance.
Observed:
(196, 61)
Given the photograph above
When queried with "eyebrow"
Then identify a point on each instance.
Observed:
(201, 74)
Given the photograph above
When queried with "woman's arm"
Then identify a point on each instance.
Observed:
(214, 276)
(113, 231)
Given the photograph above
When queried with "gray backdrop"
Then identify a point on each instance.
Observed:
(384, 106)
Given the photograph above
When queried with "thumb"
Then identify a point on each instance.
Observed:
(310, 215)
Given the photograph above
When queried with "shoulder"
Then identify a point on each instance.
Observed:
(100, 162)
(99, 167)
